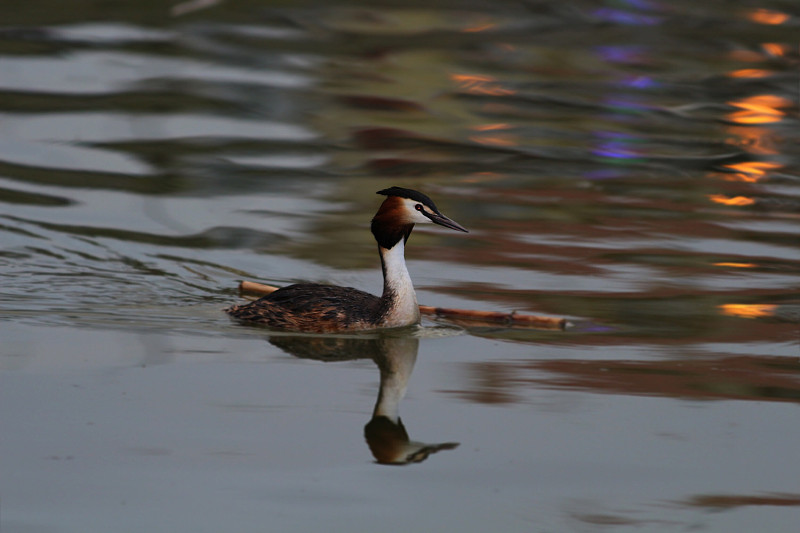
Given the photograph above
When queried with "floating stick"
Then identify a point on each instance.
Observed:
(255, 289)
(495, 317)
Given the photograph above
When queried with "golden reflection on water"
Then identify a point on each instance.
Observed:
(748, 310)
(737, 201)
(749, 112)
(736, 265)
(494, 134)
(775, 49)
(750, 73)
(767, 16)
(769, 50)
(751, 171)
(759, 109)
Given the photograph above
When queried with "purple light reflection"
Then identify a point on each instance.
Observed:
(622, 53)
(625, 17)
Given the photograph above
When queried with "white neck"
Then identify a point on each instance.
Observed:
(397, 288)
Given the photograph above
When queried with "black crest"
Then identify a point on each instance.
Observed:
(410, 194)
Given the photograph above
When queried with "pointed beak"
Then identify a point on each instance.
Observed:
(438, 218)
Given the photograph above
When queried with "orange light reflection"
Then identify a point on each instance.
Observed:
(478, 84)
(750, 56)
(759, 109)
(736, 265)
(774, 49)
(767, 16)
(752, 171)
(497, 141)
(748, 310)
(750, 73)
(738, 201)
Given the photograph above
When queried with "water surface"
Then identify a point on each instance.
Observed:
(630, 166)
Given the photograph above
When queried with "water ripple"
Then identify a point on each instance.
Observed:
(164, 162)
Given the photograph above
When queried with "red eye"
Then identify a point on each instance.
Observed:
(418, 207)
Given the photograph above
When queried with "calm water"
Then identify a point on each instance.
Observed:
(629, 165)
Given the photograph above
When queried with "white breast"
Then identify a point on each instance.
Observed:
(404, 310)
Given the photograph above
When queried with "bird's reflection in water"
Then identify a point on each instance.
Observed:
(395, 356)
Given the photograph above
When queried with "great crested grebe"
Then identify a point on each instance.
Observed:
(317, 308)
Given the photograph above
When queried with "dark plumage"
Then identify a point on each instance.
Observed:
(312, 307)
(411, 194)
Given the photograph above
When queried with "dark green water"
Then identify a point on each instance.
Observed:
(629, 165)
